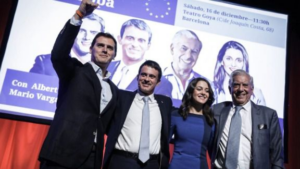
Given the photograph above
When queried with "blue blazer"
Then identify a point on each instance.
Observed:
(266, 135)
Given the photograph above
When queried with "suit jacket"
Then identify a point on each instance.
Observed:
(164, 88)
(71, 135)
(124, 104)
(266, 135)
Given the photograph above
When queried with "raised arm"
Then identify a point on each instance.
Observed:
(63, 64)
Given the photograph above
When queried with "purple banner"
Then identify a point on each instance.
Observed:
(29, 90)
(162, 11)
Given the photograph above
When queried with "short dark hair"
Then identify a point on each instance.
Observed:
(106, 35)
(154, 65)
(140, 24)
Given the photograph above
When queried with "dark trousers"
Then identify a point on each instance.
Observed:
(122, 162)
(89, 163)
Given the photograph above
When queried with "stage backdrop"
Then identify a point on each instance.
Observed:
(37, 23)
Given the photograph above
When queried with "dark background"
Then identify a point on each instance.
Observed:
(292, 116)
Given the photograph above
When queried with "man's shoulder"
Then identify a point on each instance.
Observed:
(217, 108)
(222, 104)
(160, 97)
(262, 108)
(126, 93)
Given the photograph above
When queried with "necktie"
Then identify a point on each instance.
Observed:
(233, 142)
(144, 142)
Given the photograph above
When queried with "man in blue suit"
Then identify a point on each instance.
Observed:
(135, 39)
(258, 140)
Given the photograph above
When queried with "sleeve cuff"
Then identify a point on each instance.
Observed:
(75, 22)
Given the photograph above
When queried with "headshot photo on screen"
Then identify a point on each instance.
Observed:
(185, 49)
(91, 25)
(135, 40)
(232, 56)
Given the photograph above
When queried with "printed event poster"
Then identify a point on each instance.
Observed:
(261, 34)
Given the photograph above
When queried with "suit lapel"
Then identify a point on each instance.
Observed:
(126, 104)
(164, 119)
(113, 98)
(90, 72)
(223, 118)
(256, 120)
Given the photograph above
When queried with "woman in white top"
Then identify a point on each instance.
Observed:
(232, 56)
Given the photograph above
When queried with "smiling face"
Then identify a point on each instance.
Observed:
(147, 79)
(103, 51)
(134, 44)
(88, 30)
(185, 52)
(241, 89)
(232, 60)
(201, 92)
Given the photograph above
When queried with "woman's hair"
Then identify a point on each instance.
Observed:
(187, 101)
(219, 74)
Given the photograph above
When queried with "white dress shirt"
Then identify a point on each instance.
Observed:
(106, 94)
(178, 89)
(126, 77)
(244, 156)
(129, 139)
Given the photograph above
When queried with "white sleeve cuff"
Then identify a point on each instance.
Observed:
(75, 22)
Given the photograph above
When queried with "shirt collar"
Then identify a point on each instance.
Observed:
(98, 70)
(140, 96)
(246, 106)
(170, 72)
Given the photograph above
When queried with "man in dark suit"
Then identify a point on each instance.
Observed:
(248, 135)
(91, 25)
(135, 39)
(86, 100)
(123, 147)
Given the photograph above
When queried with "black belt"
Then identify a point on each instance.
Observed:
(133, 155)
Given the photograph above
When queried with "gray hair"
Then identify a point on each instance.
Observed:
(188, 34)
(240, 72)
